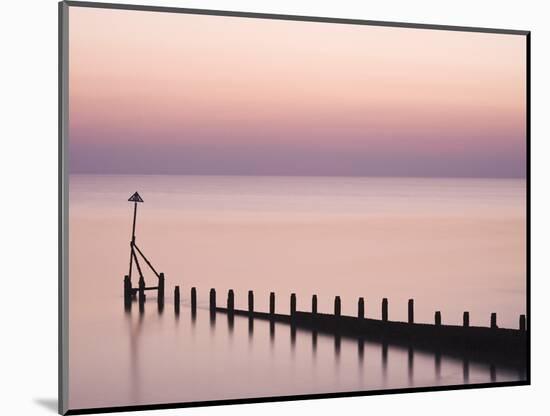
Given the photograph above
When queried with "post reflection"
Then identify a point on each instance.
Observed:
(466, 370)
(361, 349)
(384, 359)
(231, 323)
(438, 365)
(271, 332)
(410, 364)
(250, 328)
(212, 319)
(337, 346)
(135, 374)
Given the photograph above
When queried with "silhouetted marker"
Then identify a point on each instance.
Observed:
(177, 299)
(522, 323)
(230, 301)
(193, 299)
(361, 308)
(314, 304)
(437, 365)
(494, 320)
(213, 299)
(385, 310)
(293, 304)
(272, 303)
(438, 318)
(411, 311)
(129, 292)
(361, 349)
(250, 301)
(466, 319)
(337, 306)
(337, 345)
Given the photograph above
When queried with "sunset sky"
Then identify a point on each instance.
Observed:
(168, 93)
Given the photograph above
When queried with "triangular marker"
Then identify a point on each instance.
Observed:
(135, 198)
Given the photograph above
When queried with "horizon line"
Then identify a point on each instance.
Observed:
(301, 176)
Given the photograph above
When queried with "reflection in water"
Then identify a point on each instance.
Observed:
(314, 342)
(231, 323)
(410, 364)
(135, 378)
(139, 378)
(384, 360)
(250, 328)
(466, 370)
(438, 365)
(361, 349)
(212, 319)
(337, 346)
(271, 332)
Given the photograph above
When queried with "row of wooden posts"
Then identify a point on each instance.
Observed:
(337, 307)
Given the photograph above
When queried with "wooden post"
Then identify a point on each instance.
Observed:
(250, 302)
(411, 311)
(141, 287)
(212, 299)
(314, 304)
(177, 299)
(272, 303)
(193, 298)
(385, 309)
(160, 291)
(230, 301)
(494, 320)
(127, 290)
(438, 318)
(337, 306)
(361, 308)
(292, 304)
(522, 323)
(466, 319)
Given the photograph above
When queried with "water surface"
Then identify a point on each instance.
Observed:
(451, 244)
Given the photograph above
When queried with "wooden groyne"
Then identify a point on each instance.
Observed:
(493, 345)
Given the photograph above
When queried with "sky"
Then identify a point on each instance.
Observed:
(170, 93)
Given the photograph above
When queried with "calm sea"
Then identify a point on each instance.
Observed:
(453, 245)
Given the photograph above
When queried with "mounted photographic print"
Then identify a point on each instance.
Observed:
(263, 207)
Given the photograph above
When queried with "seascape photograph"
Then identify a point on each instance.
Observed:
(265, 208)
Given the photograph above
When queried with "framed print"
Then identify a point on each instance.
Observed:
(261, 207)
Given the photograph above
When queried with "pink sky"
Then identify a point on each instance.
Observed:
(155, 92)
